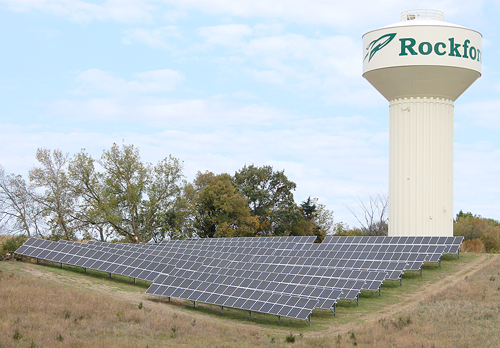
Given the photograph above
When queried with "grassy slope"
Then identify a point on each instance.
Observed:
(73, 311)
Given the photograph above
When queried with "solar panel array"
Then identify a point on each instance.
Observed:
(284, 276)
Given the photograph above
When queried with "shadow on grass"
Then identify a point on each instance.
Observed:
(98, 275)
(243, 316)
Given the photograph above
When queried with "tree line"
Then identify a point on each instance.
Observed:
(480, 234)
(120, 197)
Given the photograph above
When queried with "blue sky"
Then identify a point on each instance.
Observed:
(224, 83)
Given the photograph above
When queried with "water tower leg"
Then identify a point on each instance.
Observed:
(421, 167)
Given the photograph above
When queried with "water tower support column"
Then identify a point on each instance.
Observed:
(421, 167)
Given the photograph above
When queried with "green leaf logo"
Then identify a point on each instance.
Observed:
(376, 45)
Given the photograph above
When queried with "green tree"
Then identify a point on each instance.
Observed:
(177, 222)
(93, 212)
(129, 196)
(323, 218)
(58, 201)
(343, 229)
(318, 220)
(219, 210)
(270, 198)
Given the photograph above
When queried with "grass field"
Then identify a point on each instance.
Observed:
(457, 305)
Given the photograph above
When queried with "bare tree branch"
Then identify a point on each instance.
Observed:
(373, 215)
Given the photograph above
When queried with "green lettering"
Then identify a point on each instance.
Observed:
(478, 55)
(454, 48)
(425, 48)
(472, 53)
(407, 46)
(436, 48)
(466, 46)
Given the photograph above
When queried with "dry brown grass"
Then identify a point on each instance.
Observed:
(473, 246)
(35, 313)
(464, 315)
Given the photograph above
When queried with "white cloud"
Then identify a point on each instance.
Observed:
(329, 66)
(347, 16)
(170, 114)
(483, 113)
(477, 183)
(156, 38)
(227, 35)
(95, 80)
(84, 11)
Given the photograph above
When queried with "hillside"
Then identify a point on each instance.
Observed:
(457, 305)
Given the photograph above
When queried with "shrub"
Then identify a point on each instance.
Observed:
(17, 336)
(11, 244)
(473, 246)
(402, 322)
(290, 338)
(173, 334)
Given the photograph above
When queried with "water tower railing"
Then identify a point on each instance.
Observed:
(411, 15)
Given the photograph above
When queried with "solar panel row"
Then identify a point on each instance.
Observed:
(267, 270)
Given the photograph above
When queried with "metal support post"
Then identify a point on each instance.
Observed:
(85, 268)
(401, 281)
(439, 263)
(279, 319)
(61, 264)
(458, 254)
(110, 275)
(250, 315)
(309, 320)
(135, 280)
(194, 304)
(169, 299)
(357, 300)
(222, 309)
(334, 309)
(37, 260)
(380, 290)
(421, 267)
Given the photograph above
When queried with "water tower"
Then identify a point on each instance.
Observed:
(421, 65)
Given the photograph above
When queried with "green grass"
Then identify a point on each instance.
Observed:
(118, 282)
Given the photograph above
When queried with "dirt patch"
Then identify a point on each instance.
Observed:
(412, 301)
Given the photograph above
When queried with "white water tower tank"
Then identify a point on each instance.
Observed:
(421, 65)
